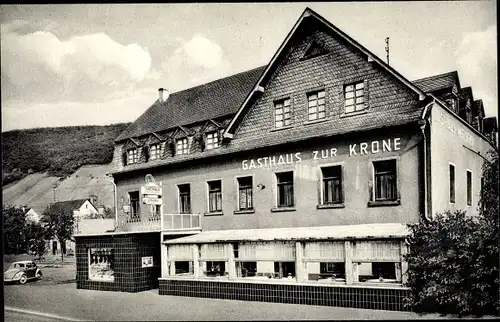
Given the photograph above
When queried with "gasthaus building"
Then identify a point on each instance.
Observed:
(291, 182)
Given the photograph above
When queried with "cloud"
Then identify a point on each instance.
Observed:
(476, 58)
(89, 66)
(203, 51)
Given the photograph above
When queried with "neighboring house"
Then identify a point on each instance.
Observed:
(81, 209)
(294, 181)
(31, 215)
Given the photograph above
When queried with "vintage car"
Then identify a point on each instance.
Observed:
(21, 272)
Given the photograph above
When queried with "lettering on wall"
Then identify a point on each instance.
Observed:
(446, 121)
(355, 149)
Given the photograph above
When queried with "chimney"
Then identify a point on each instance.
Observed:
(160, 94)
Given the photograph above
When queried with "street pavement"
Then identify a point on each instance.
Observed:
(20, 315)
(66, 301)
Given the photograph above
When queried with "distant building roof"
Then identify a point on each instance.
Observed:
(68, 206)
(437, 82)
(215, 99)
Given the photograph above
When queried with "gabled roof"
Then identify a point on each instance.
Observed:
(219, 98)
(438, 82)
(478, 108)
(276, 60)
(69, 205)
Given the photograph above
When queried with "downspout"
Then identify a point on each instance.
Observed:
(422, 128)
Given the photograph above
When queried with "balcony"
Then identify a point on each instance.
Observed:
(139, 222)
(181, 223)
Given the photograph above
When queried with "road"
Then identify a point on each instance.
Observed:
(19, 315)
(67, 301)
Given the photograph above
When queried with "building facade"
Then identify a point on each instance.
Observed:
(292, 182)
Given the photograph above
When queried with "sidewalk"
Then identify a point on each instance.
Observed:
(66, 300)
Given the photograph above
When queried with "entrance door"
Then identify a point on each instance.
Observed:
(54, 247)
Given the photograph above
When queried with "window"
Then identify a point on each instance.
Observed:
(385, 180)
(451, 103)
(132, 156)
(245, 193)
(215, 268)
(283, 117)
(215, 196)
(332, 185)
(316, 105)
(154, 152)
(469, 188)
(354, 97)
(182, 146)
(184, 198)
(135, 211)
(452, 183)
(101, 264)
(212, 140)
(377, 272)
(285, 189)
(284, 269)
(184, 268)
(246, 269)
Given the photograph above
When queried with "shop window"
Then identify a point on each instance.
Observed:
(132, 156)
(154, 152)
(385, 180)
(332, 185)
(101, 264)
(246, 269)
(284, 270)
(316, 105)
(184, 268)
(354, 97)
(285, 196)
(215, 269)
(212, 140)
(469, 188)
(378, 272)
(182, 146)
(184, 198)
(135, 208)
(282, 114)
(452, 183)
(245, 193)
(215, 196)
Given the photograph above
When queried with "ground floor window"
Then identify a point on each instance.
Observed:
(378, 272)
(101, 264)
(184, 268)
(246, 269)
(326, 271)
(284, 269)
(214, 268)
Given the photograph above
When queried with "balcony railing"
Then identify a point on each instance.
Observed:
(181, 222)
(139, 222)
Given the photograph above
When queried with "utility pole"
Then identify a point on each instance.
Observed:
(387, 48)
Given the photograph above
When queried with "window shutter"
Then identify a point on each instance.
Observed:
(124, 158)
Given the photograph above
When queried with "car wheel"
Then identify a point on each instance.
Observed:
(23, 279)
(39, 275)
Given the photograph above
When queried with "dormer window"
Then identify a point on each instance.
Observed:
(212, 140)
(182, 146)
(132, 156)
(154, 152)
(452, 104)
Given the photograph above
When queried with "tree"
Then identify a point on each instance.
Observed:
(14, 233)
(109, 213)
(58, 224)
(36, 237)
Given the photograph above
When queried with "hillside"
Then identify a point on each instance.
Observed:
(36, 190)
(56, 151)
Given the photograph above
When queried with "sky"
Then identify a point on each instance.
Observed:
(98, 64)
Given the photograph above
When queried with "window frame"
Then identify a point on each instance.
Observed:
(179, 200)
(157, 154)
(215, 137)
(387, 202)
(276, 190)
(137, 214)
(238, 188)
(322, 186)
(452, 190)
(283, 113)
(135, 156)
(215, 212)
(184, 147)
(308, 96)
(344, 93)
(469, 187)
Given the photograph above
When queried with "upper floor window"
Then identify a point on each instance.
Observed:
(354, 97)
(332, 185)
(285, 189)
(385, 180)
(452, 103)
(245, 193)
(215, 196)
(184, 198)
(283, 116)
(132, 156)
(154, 152)
(316, 105)
(135, 210)
(182, 146)
(212, 140)
(469, 188)
(452, 183)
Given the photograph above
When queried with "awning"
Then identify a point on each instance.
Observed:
(341, 232)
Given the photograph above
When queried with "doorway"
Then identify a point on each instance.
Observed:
(54, 247)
